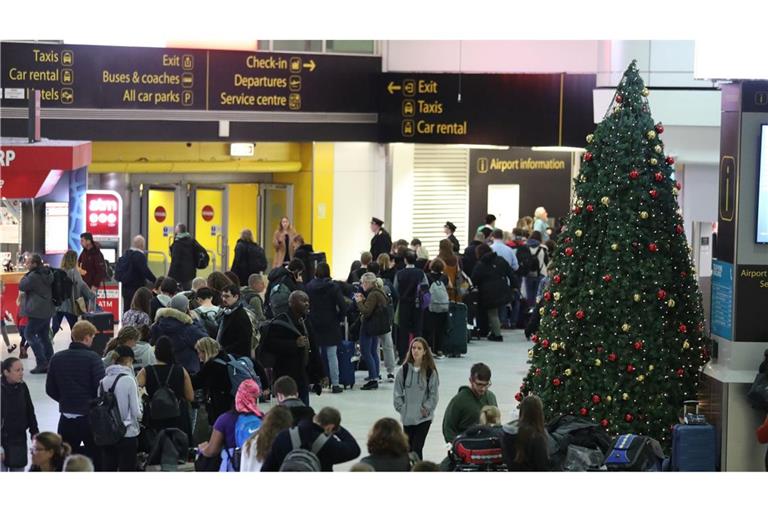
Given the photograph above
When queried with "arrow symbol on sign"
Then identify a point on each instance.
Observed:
(310, 65)
(392, 87)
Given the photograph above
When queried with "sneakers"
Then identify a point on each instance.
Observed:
(23, 353)
(39, 369)
(11, 349)
(371, 384)
(336, 389)
(491, 337)
(391, 377)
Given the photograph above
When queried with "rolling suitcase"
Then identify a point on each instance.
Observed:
(694, 444)
(345, 352)
(105, 327)
(456, 337)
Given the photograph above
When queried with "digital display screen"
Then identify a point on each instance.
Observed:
(762, 189)
(56, 228)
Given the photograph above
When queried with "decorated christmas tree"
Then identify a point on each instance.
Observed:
(621, 339)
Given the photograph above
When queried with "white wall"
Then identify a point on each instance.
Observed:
(358, 195)
(401, 156)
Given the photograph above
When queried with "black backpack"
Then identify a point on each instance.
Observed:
(163, 405)
(61, 287)
(104, 417)
(201, 257)
(123, 266)
(528, 262)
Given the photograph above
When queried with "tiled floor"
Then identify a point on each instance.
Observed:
(360, 409)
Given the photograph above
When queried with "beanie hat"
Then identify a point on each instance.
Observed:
(179, 302)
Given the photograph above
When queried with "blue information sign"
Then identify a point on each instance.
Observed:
(722, 299)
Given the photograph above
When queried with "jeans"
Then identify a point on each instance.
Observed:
(121, 456)
(329, 353)
(37, 333)
(304, 394)
(369, 348)
(436, 329)
(76, 431)
(389, 351)
(493, 321)
(58, 317)
(531, 288)
(417, 436)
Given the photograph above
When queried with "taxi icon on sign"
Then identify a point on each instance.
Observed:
(67, 58)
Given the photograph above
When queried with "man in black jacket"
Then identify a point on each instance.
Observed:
(73, 381)
(339, 444)
(291, 278)
(408, 283)
(288, 346)
(184, 257)
(235, 328)
(381, 241)
(249, 257)
(39, 308)
(493, 277)
(449, 229)
(132, 270)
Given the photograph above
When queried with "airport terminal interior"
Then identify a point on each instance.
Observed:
(586, 218)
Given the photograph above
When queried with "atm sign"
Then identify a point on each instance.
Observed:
(103, 213)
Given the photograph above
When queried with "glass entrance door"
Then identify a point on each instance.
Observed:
(276, 203)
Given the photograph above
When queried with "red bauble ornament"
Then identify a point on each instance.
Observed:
(580, 315)
(682, 328)
(638, 345)
(659, 128)
(607, 278)
(535, 338)
(568, 240)
(537, 372)
(590, 208)
(556, 382)
(547, 296)
(612, 357)
(619, 99)
(554, 313)
(545, 343)
(679, 186)
(629, 418)
(670, 160)
(587, 156)
(604, 423)
(654, 193)
(652, 247)
(679, 229)
(599, 349)
(658, 176)
(557, 279)
(569, 251)
(683, 274)
(576, 210)
(680, 372)
(661, 294)
(519, 397)
(630, 368)
(633, 174)
(583, 411)
(596, 399)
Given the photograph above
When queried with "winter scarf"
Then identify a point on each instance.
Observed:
(247, 398)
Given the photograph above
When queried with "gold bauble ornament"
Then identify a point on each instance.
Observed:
(578, 233)
(653, 161)
(671, 303)
(591, 292)
(657, 148)
(580, 203)
(651, 134)
(645, 92)
(605, 200)
(530, 354)
(553, 347)
(583, 178)
(562, 346)
(640, 378)
(686, 345)
(568, 372)
(598, 362)
(636, 297)
(625, 327)
(643, 215)
(557, 295)
(614, 247)
(609, 399)
(590, 138)
(625, 396)
(675, 192)
(650, 368)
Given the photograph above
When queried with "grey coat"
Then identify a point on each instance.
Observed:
(38, 297)
(413, 393)
(79, 289)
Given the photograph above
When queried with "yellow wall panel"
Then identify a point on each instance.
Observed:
(322, 199)
(243, 213)
(156, 242)
(204, 234)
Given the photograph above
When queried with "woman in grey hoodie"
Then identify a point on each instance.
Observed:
(122, 456)
(416, 393)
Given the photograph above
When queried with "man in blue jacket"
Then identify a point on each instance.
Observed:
(73, 381)
(133, 271)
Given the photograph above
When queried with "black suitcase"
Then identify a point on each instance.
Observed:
(105, 327)
(631, 452)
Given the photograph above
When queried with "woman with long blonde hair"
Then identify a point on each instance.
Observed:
(282, 241)
(71, 307)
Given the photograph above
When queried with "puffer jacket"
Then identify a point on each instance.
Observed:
(38, 297)
(493, 277)
(183, 332)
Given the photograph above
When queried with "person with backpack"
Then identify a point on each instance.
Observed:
(524, 442)
(287, 394)
(492, 276)
(282, 282)
(257, 448)
(320, 442)
(168, 389)
(73, 381)
(236, 330)
(39, 307)
(17, 416)
(387, 447)
(91, 262)
(436, 316)
(537, 268)
(373, 305)
(327, 308)
(130, 336)
(186, 257)
(120, 383)
(80, 295)
(132, 270)
(253, 296)
(175, 322)
(249, 257)
(206, 315)
(465, 407)
(233, 428)
(416, 394)
(410, 283)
